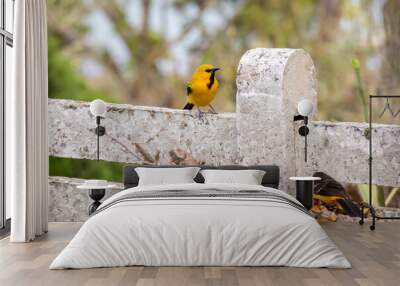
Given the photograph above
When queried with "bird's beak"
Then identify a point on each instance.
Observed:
(214, 70)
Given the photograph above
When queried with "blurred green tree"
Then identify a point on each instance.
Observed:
(64, 81)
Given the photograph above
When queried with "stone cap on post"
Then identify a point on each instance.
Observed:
(270, 83)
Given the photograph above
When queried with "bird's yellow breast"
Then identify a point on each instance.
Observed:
(201, 95)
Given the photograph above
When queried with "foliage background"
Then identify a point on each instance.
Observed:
(143, 51)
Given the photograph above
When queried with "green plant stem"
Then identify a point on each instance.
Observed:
(360, 92)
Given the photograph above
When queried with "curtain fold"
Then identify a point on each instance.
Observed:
(26, 124)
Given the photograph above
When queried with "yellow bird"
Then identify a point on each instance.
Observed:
(202, 88)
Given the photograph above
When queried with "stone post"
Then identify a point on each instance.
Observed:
(270, 82)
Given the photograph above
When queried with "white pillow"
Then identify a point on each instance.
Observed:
(248, 177)
(165, 176)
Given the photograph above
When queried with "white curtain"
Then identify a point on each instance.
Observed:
(26, 123)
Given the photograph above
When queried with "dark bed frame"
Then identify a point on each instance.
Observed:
(270, 179)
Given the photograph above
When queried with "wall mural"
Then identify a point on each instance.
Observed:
(101, 51)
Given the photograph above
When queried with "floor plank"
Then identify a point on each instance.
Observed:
(375, 257)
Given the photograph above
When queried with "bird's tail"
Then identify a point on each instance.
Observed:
(188, 106)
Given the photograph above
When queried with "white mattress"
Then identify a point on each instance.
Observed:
(189, 231)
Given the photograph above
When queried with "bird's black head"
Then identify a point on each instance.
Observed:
(212, 70)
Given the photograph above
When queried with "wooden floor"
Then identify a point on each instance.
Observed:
(375, 257)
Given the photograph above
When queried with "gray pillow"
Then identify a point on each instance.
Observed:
(166, 176)
(248, 177)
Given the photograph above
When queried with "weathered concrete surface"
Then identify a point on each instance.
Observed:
(270, 83)
(66, 202)
(342, 150)
(138, 134)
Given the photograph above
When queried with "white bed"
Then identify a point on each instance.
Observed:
(225, 225)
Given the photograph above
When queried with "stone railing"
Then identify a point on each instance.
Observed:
(270, 83)
(342, 150)
(67, 202)
(138, 134)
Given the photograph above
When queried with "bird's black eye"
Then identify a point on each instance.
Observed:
(208, 70)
